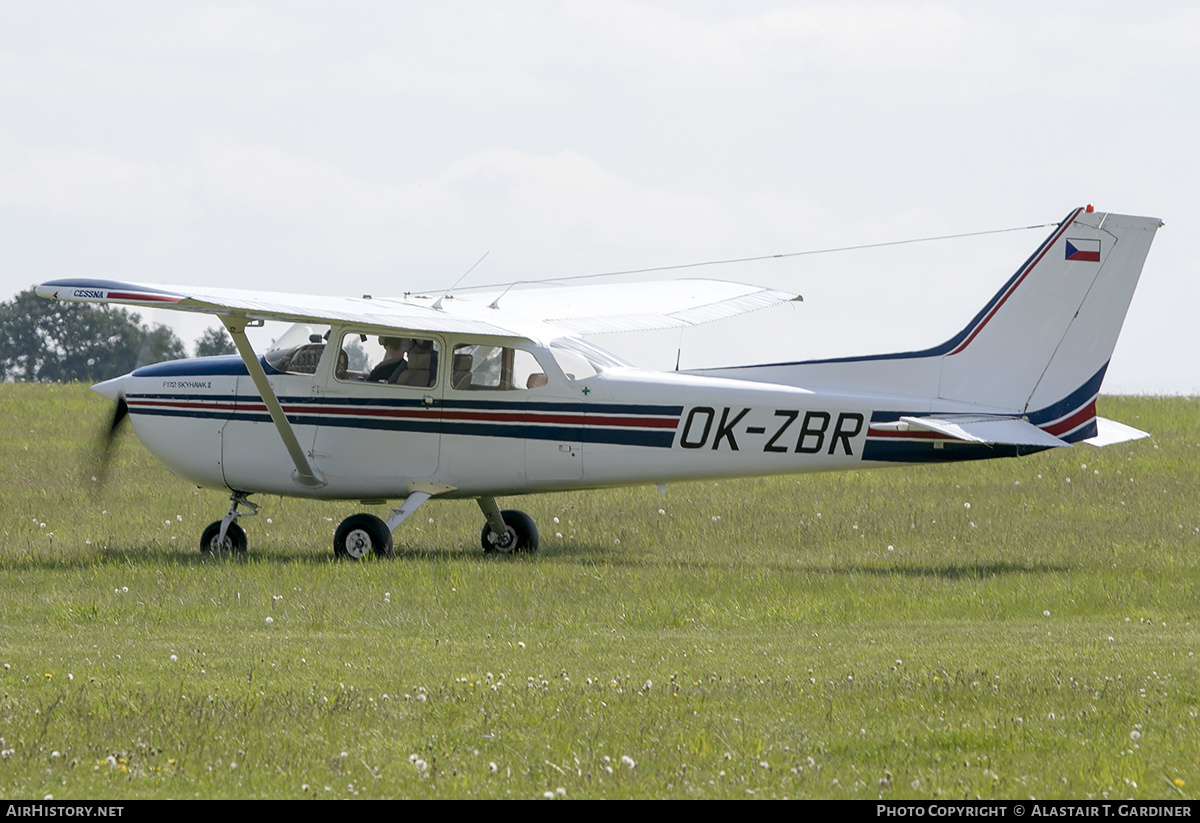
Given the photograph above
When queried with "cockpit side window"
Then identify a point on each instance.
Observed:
(390, 360)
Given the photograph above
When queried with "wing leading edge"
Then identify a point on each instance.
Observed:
(576, 310)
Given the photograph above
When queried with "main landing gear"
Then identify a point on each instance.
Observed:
(361, 536)
(506, 531)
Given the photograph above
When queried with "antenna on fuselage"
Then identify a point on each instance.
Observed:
(438, 303)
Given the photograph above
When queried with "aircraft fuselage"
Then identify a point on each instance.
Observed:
(206, 421)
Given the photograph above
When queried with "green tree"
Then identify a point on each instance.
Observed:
(214, 341)
(54, 341)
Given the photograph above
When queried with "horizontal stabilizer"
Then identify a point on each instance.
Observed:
(1110, 432)
(978, 428)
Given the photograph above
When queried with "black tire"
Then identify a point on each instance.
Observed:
(522, 534)
(235, 540)
(361, 535)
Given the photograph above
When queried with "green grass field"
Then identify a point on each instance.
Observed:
(1004, 629)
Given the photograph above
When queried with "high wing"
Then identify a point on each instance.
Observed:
(261, 305)
(539, 316)
(536, 313)
(600, 309)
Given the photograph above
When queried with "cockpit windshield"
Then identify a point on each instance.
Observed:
(299, 349)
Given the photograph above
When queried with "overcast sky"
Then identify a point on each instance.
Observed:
(379, 147)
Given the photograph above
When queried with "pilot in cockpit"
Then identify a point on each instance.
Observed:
(393, 362)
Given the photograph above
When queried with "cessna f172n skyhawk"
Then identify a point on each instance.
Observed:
(487, 396)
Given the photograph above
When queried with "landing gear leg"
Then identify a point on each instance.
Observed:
(225, 536)
(508, 530)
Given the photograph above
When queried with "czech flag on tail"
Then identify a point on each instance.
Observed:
(1087, 251)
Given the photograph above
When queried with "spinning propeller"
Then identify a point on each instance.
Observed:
(104, 450)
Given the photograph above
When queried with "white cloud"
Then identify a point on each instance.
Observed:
(883, 38)
(246, 29)
(271, 182)
(85, 181)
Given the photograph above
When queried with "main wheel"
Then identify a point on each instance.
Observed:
(235, 540)
(521, 534)
(360, 535)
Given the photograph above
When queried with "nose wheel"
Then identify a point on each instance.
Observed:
(225, 538)
(234, 544)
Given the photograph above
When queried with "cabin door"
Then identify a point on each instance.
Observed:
(380, 421)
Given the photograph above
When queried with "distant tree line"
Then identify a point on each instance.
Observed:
(51, 341)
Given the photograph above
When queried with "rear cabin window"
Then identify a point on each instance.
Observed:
(483, 367)
(579, 359)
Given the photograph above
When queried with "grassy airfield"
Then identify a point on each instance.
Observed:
(1008, 629)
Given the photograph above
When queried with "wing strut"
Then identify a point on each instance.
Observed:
(306, 475)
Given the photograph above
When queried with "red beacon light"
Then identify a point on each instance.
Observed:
(1090, 208)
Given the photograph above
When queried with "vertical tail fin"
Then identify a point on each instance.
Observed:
(1040, 346)
(1043, 343)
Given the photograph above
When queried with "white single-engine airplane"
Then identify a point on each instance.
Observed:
(486, 396)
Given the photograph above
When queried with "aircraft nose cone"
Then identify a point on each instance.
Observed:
(111, 389)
